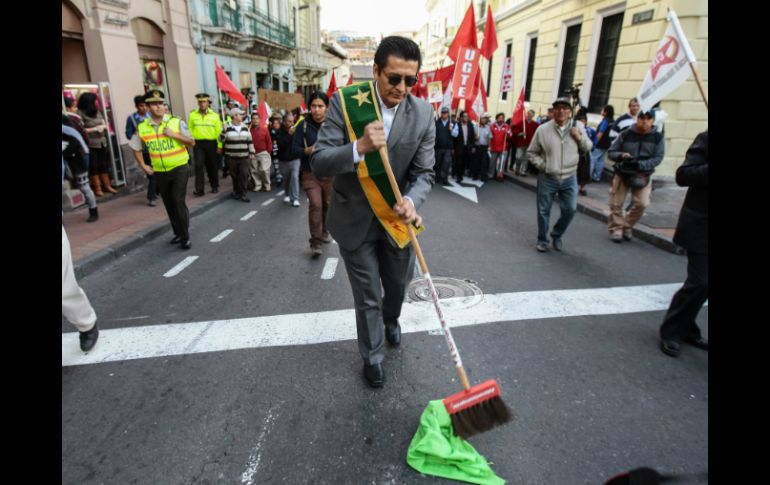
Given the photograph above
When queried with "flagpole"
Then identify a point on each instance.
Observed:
(700, 84)
(221, 108)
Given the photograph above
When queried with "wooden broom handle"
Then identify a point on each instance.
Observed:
(423, 265)
(399, 199)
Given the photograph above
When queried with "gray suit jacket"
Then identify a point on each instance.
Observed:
(411, 153)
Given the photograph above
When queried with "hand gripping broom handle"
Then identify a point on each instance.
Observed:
(424, 266)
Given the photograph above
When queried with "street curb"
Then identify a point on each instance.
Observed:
(640, 231)
(91, 263)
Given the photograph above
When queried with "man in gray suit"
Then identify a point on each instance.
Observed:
(373, 261)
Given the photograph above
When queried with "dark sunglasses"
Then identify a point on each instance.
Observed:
(395, 80)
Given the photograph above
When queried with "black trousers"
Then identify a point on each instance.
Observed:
(172, 186)
(462, 158)
(679, 322)
(205, 155)
(239, 170)
(443, 164)
(480, 162)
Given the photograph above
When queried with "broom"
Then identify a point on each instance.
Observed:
(475, 409)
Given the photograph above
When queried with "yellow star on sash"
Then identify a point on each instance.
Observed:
(362, 98)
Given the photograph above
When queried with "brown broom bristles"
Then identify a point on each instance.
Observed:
(481, 417)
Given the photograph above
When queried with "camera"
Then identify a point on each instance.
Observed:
(574, 90)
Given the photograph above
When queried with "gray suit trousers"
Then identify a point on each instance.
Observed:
(377, 266)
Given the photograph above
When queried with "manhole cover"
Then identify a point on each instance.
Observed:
(446, 288)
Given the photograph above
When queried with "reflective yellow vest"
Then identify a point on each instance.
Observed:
(207, 127)
(166, 153)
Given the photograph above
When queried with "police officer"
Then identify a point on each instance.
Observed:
(205, 127)
(166, 138)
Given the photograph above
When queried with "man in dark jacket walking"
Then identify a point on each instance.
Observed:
(636, 152)
(692, 234)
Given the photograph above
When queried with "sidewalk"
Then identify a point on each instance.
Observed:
(656, 226)
(126, 222)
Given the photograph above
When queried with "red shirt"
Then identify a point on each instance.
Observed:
(261, 137)
(519, 128)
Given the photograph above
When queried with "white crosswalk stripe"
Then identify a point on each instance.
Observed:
(330, 326)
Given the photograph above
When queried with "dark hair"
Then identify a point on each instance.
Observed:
(399, 47)
(610, 110)
(318, 95)
(499, 115)
(69, 102)
(138, 99)
(581, 115)
(87, 104)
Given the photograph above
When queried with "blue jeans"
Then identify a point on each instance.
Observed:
(290, 172)
(597, 163)
(567, 190)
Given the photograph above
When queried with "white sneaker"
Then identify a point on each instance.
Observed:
(287, 199)
(295, 203)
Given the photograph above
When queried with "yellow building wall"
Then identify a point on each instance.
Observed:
(687, 113)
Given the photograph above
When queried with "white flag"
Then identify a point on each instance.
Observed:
(506, 84)
(669, 68)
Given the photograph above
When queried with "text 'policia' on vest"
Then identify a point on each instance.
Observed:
(165, 153)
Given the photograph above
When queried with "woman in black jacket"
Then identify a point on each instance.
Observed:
(318, 189)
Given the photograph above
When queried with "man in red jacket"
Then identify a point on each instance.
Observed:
(521, 139)
(263, 144)
(498, 145)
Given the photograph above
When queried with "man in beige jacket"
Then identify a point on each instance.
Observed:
(554, 152)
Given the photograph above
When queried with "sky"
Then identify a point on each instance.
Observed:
(373, 18)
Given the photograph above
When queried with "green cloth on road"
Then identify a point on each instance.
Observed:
(437, 450)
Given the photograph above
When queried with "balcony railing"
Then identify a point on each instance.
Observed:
(270, 28)
(251, 23)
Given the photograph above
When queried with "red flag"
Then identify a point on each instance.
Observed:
(464, 77)
(350, 80)
(302, 105)
(466, 34)
(518, 111)
(489, 44)
(478, 104)
(264, 112)
(332, 86)
(226, 85)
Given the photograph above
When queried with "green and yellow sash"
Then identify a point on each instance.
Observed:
(360, 105)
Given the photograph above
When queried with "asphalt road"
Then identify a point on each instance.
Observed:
(593, 394)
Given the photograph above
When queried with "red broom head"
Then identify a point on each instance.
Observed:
(475, 395)
(478, 409)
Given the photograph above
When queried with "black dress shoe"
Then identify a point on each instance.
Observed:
(176, 240)
(186, 244)
(244, 199)
(698, 342)
(88, 339)
(393, 335)
(374, 374)
(215, 190)
(197, 194)
(670, 347)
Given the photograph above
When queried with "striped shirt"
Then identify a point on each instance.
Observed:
(237, 141)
